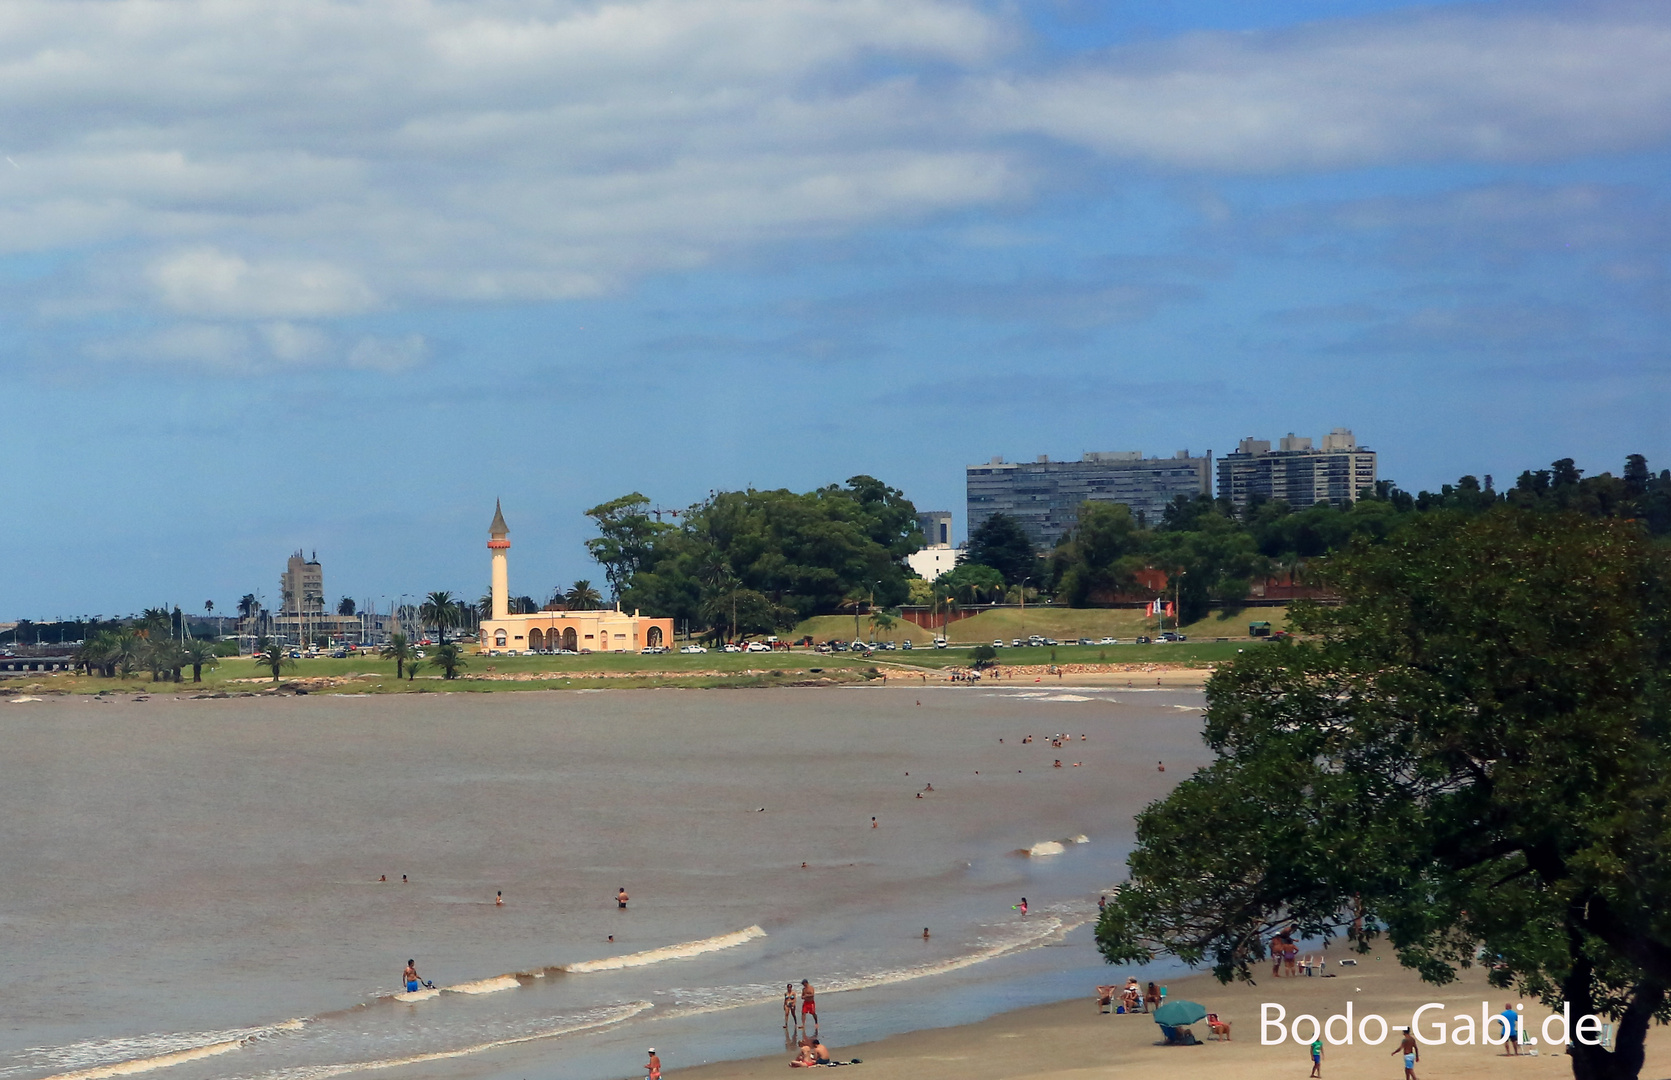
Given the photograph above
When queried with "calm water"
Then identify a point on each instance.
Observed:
(190, 888)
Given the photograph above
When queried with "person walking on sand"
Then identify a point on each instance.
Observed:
(621, 898)
(809, 1007)
(1511, 1022)
(652, 1068)
(1317, 1056)
(1412, 1054)
(789, 1023)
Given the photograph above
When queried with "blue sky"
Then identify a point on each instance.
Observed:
(336, 276)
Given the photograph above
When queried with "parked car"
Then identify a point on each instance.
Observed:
(1050, 641)
(653, 650)
(1085, 641)
(692, 649)
(997, 643)
(757, 646)
(906, 645)
(1143, 639)
(1017, 642)
(939, 643)
(1108, 641)
(728, 647)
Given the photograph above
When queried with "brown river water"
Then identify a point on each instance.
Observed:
(190, 889)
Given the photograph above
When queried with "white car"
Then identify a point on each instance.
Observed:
(997, 643)
(1108, 641)
(730, 648)
(692, 649)
(758, 646)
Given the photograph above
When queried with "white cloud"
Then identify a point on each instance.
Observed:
(1500, 82)
(271, 165)
(388, 354)
(206, 281)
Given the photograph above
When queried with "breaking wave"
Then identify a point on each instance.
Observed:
(666, 952)
(570, 1025)
(1054, 847)
(101, 1058)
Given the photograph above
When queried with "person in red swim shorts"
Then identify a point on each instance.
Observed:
(808, 1006)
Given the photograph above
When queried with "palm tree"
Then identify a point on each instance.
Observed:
(199, 653)
(271, 655)
(399, 650)
(154, 622)
(582, 597)
(163, 656)
(345, 606)
(412, 669)
(440, 610)
(854, 600)
(449, 659)
(882, 621)
(208, 608)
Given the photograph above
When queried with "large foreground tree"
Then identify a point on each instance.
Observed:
(1471, 755)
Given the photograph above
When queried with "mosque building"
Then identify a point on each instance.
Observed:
(609, 630)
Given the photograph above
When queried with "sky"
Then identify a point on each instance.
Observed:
(336, 276)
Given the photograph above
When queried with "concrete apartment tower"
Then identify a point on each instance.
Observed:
(499, 542)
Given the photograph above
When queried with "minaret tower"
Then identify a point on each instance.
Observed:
(499, 542)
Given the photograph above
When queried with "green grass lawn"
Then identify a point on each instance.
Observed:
(371, 674)
(1064, 624)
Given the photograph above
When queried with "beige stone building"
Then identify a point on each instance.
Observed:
(546, 631)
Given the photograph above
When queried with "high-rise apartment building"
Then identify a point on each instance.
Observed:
(1044, 495)
(1340, 472)
(937, 555)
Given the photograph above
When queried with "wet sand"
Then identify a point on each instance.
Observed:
(1069, 1040)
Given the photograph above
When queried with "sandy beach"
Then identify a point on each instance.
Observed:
(1070, 1040)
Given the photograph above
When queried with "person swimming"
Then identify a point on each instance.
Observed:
(925, 933)
(621, 898)
(499, 898)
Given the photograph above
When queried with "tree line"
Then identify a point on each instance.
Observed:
(1212, 551)
(754, 562)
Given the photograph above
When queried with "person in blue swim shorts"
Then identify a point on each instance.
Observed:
(410, 977)
(1412, 1054)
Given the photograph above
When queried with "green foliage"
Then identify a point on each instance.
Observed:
(582, 597)
(759, 561)
(398, 649)
(971, 583)
(1472, 755)
(626, 541)
(1220, 551)
(200, 654)
(983, 656)
(441, 611)
(1002, 544)
(449, 658)
(271, 655)
(346, 606)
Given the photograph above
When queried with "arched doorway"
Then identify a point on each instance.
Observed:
(570, 642)
(653, 638)
(536, 640)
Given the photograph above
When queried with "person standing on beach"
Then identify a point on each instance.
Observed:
(652, 1068)
(1317, 1056)
(789, 1022)
(1412, 1054)
(1511, 1020)
(808, 1006)
(621, 898)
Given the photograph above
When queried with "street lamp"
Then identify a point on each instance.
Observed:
(1024, 582)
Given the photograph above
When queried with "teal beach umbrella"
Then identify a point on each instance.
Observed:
(1176, 1013)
